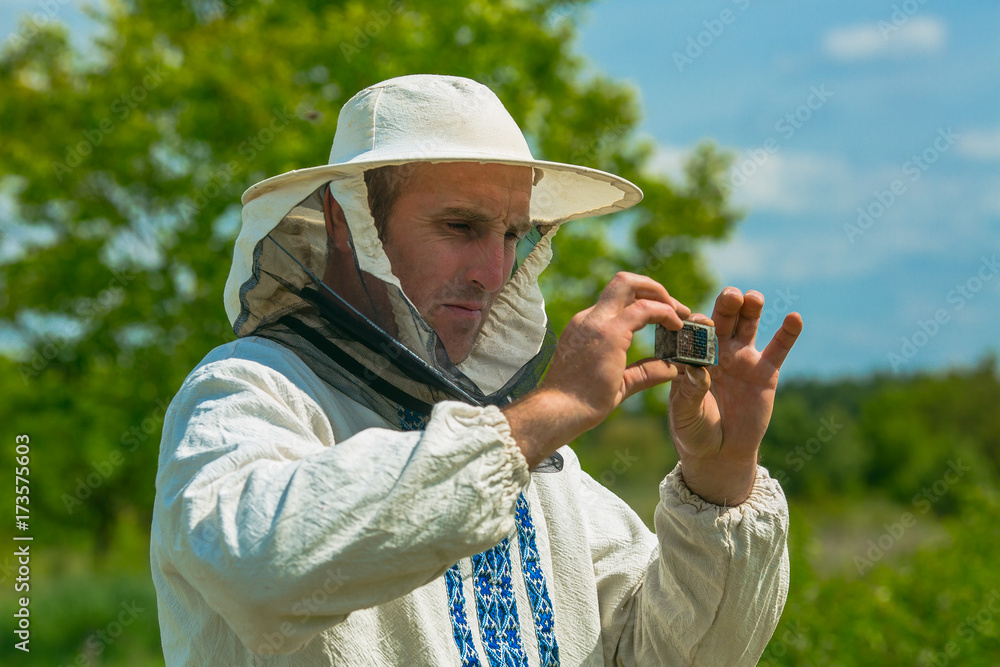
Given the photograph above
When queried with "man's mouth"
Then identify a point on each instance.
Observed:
(468, 310)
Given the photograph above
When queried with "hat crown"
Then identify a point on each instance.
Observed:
(426, 117)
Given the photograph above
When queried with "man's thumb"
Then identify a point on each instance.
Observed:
(646, 373)
(688, 390)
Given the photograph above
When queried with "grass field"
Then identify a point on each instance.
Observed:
(909, 608)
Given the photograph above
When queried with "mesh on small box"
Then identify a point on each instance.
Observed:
(693, 345)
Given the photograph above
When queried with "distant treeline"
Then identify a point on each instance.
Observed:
(905, 438)
(909, 438)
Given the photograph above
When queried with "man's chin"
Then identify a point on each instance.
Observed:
(458, 344)
(459, 337)
(457, 353)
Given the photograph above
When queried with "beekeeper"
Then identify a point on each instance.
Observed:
(372, 474)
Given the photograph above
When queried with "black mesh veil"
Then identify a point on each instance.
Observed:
(358, 332)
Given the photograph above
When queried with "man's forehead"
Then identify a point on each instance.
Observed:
(492, 171)
(474, 192)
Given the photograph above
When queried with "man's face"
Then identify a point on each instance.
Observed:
(451, 238)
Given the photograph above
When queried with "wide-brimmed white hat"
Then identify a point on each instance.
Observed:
(434, 118)
(422, 118)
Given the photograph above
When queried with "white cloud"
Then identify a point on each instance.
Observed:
(738, 259)
(785, 181)
(669, 161)
(790, 182)
(760, 254)
(980, 144)
(920, 35)
(803, 208)
(853, 42)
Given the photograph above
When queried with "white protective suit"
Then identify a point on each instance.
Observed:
(300, 521)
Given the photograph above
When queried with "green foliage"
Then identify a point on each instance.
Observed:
(880, 439)
(83, 620)
(893, 551)
(127, 170)
(893, 437)
(929, 607)
(121, 178)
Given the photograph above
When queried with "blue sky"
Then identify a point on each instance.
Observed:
(832, 109)
(890, 107)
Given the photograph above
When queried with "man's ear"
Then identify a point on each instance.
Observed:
(336, 223)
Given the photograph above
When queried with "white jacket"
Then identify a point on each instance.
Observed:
(292, 526)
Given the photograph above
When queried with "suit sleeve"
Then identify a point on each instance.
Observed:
(708, 589)
(259, 509)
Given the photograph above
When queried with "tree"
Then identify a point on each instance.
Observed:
(122, 173)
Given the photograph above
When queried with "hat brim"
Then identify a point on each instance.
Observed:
(565, 191)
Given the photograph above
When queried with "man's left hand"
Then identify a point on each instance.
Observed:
(718, 415)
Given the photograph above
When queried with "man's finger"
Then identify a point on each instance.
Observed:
(727, 311)
(783, 339)
(687, 393)
(646, 373)
(626, 287)
(645, 311)
(700, 318)
(746, 327)
(681, 309)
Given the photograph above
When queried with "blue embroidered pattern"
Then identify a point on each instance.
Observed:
(496, 608)
(459, 623)
(411, 420)
(534, 581)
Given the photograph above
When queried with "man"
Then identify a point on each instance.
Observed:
(372, 475)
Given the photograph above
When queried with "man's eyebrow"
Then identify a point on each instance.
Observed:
(467, 214)
(522, 225)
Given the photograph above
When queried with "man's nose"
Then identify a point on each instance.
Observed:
(486, 267)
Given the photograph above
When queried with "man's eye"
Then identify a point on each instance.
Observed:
(458, 226)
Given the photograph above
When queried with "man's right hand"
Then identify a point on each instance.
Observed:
(588, 376)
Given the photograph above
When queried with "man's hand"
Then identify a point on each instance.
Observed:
(718, 416)
(588, 377)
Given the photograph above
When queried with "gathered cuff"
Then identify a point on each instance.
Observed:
(502, 471)
(765, 497)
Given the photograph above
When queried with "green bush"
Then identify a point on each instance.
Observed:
(927, 607)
